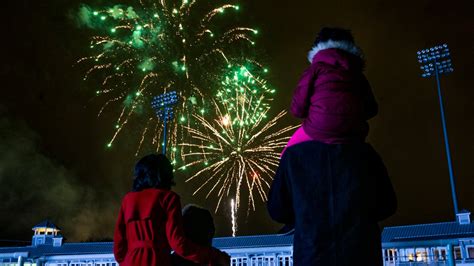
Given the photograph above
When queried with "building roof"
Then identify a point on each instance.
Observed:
(65, 249)
(46, 223)
(256, 241)
(107, 247)
(446, 230)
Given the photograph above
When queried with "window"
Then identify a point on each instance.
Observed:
(105, 263)
(39, 241)
(443, 254)
(421, 256)
(411, 257)
(436, 254)
(457, 253)
(390, 254)
(285, 260)
(239, 261)
(470, 252)
(81, 263)
(57, 242)
(262, 260)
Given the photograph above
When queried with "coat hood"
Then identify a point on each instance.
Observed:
(328, 52)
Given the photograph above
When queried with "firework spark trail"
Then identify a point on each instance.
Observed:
(151, 47)
(233, 216)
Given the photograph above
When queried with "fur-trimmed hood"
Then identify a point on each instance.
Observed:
(330, 44)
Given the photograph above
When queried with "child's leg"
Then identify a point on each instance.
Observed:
(298, 137)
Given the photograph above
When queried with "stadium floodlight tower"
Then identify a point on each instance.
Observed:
(434, 62)
(163, 106)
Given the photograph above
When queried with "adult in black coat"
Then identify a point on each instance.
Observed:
(334, 195)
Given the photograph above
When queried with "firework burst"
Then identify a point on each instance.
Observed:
(239, 146)
(156, 46)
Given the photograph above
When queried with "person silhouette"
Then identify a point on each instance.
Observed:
(198, 226)
(150, 224)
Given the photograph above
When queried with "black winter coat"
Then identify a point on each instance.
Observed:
(334, 195)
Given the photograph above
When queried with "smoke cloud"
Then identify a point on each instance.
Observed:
(34, 187)
(84, 16)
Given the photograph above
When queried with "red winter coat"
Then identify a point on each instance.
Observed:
(149, 225)
(334, 98)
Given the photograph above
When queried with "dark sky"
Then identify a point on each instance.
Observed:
(52, 158)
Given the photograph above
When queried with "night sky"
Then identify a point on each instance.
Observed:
(53, 163)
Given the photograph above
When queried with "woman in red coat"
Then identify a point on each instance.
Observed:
(149, 224)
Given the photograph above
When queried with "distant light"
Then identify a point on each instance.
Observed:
(226, 120)
(109, 145)
(113, 30)
(95, 13)
(265, 70)
(103, 17)
(237, 7)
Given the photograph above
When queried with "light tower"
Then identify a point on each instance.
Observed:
(434, 62)
(163, 106)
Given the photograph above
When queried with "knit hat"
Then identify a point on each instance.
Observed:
(334, 34)
(335, 38)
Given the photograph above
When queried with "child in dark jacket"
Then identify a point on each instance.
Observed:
(198, 226)
(333, 96)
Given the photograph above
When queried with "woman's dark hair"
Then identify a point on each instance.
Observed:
(334, 34)
(153, 171)
(198, 225)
